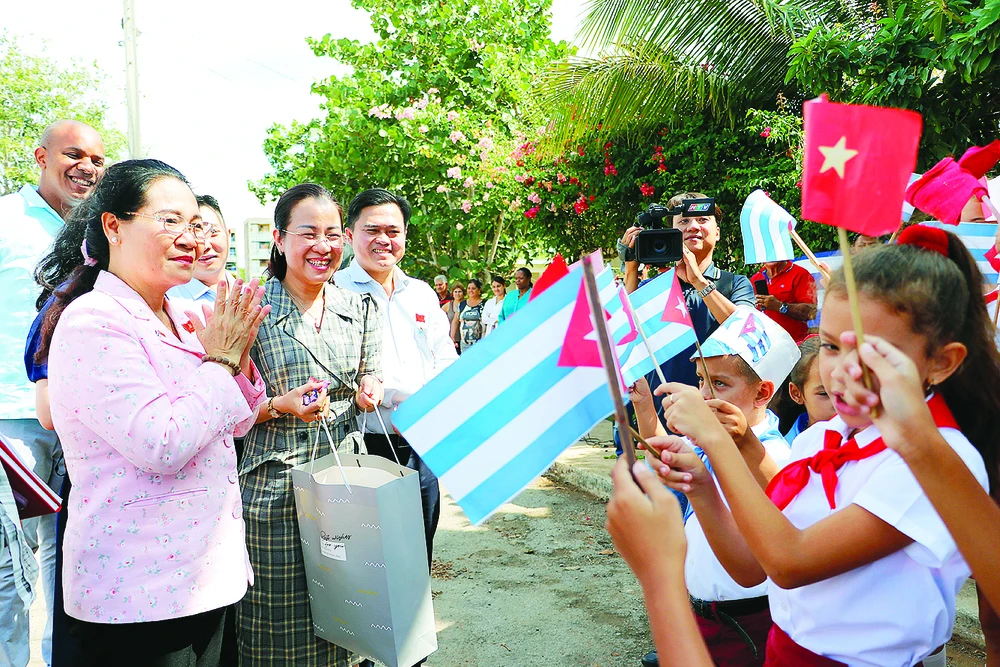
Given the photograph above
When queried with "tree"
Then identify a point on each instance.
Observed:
(432, 109)
(660, 60)
(939, 59)
(36, 92)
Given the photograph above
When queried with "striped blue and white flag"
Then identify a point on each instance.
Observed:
(907, 206)
(668, 339)
(978, 237)
(500, 415)
(765, 228)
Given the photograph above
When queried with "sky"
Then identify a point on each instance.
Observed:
(211, 80)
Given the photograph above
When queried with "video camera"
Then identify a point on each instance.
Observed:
(659, 246)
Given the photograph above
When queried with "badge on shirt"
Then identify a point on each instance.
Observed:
(420, 318)
(189, 326)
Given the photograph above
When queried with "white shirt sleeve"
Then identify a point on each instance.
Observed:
(893, 494)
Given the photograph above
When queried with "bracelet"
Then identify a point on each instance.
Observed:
(274, 412)
(231, 365)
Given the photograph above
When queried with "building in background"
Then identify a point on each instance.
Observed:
(257, 241)
(231, 264)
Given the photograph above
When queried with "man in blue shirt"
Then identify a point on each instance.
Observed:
(211, 265)
(71, 159)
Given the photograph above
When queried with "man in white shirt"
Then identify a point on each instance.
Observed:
(70, 157)
(416, 343)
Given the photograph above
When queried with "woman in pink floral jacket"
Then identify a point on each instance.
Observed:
(146, 400)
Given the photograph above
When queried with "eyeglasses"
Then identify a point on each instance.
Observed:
(312, 238)
(175, 224)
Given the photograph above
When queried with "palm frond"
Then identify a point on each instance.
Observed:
(662, 57)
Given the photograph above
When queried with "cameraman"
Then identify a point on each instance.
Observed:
(711, 294)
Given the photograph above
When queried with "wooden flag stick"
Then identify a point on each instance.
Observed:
(809, 253)
(892, 239)
(649, 348)
(996, 312)
(852, 299)
(608, 359)
(704, 367)
(993, 209)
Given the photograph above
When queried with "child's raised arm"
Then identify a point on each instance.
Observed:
(839, 543)
(645, 524)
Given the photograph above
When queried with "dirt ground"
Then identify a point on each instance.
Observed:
(537, 584)
(540, 584)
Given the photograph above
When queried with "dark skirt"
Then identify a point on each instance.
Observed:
(190, 641)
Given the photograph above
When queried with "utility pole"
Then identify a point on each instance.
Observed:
(131, 79)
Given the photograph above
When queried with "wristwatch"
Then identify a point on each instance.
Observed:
(707, 289)
(273, 411)
(784, 309)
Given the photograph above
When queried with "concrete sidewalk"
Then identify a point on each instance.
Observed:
(587, 466)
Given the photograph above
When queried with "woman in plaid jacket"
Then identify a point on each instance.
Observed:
(316, 331)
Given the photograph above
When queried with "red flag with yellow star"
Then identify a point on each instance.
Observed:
(858, 161)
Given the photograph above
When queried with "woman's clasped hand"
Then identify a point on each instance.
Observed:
(231, 328)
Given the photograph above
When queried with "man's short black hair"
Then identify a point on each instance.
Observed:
(212, 203)
(377, 197)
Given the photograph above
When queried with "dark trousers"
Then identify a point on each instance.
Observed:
(191, 641)
(430, 491)
(65, 647)
(729, 647)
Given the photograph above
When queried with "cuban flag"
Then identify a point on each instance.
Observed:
(979, 238)
(500, 415)
(907, 206)
(765, 228)
(667, 337)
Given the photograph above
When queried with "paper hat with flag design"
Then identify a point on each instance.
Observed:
(765, 227)
(758, 340)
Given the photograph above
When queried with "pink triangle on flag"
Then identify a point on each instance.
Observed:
(750, 326)
(676, 309)
(578, 349)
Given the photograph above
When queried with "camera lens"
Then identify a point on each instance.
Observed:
(659, 247)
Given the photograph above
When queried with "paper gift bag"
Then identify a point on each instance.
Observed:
(362, 532)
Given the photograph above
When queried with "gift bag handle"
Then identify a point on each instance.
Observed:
(312, 459)
(385, 432)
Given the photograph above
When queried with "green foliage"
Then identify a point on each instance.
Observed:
(934, 57)
(36, 92)
(660, 60)
(618, 179)
(432, 110)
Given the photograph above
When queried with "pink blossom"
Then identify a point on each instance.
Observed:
(484, 155)
(486, 143)
(455, 172)
(531, 212)
(459, 227)
(405, 114)
(466, 205)
(442, 188)
(534, 198)
(423, 129)
(486, 197)
(519, 178)
(421, 103)
(380, 111)
(468, 182)
(489, 184)
(432, 91)
(456, 136)
(452, 116)
(766, 132)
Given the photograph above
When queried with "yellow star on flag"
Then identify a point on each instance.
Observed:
(836, 156)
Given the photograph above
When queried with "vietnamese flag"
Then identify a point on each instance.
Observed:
(858, 161)
(552, 274)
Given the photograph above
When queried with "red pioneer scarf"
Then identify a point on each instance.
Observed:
(793, 478)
